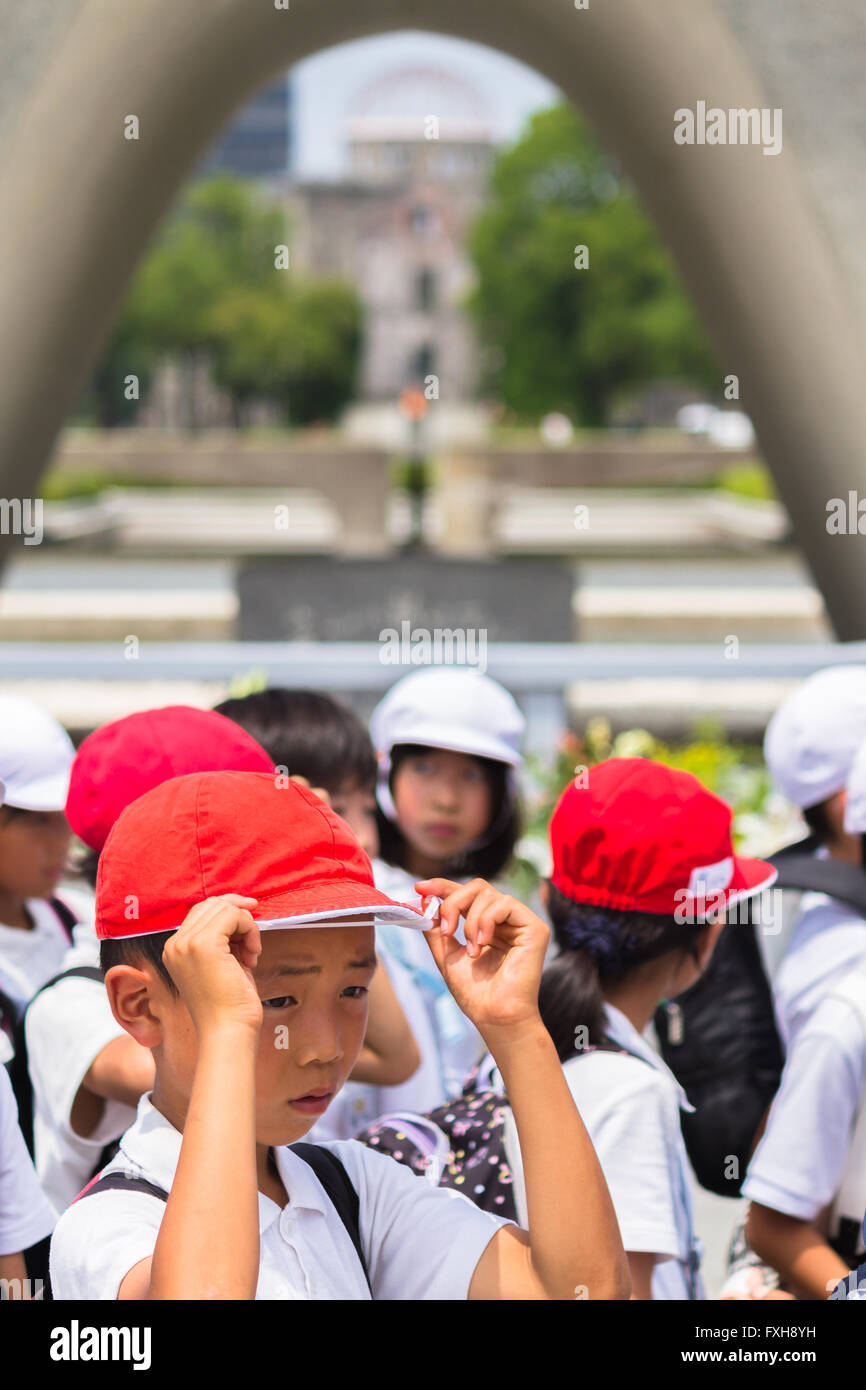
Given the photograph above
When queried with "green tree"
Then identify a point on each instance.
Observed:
(209, 290)
(562, 338)
(323, 359)
(297, 347)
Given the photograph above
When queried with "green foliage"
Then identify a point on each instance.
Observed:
(561, 338)
(749, 480)
(209, 288)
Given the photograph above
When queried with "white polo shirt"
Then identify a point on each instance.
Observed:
(25, 1216)
(419, 1241)
(30, 957)
(631, 1110)
(827, 941)
(66, 1028)
(797, 1167)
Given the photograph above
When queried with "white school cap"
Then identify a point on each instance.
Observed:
(36, 754)
(446, 707)
(855, 801)
(815, 733)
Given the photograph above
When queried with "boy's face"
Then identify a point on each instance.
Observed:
(313, 983)
(357, 806)
(33, 850)
(442, 801)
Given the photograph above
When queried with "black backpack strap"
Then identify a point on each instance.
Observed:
(64, 913)
(77, 972)
(845, 882)
(338, 1185)
(122, 1182)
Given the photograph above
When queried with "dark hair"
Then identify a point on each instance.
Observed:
(817, 818)
(132, 950)
(87, 865)
(486, 862)
(570, 995)
(310, 734)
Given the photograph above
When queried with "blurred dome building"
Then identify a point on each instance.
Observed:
(420, 149)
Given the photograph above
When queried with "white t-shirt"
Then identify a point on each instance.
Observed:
(66, 1028)
(25, 1216)
(631, 1108)
(828, 940)
(797, 1167)
(458, 1041)
(358, 1105)
(419, 1241)
(29, 958)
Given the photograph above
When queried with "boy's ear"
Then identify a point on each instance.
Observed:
(130, 996)
(544, 894)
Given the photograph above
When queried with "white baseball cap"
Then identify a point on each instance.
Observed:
(446, 707)
(812, 739)
(855, 801)
(36, 754)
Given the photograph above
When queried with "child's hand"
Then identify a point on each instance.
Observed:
(210, 958)
(496, 975)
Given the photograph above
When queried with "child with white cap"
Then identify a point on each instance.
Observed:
(809, 748)
(448, 746)
(35, 925)
(25, 1216)
(807, 1179)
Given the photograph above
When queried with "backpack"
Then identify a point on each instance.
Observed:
(720, 1038)
(460, 1144)
(326, 1166)
(12, 1017)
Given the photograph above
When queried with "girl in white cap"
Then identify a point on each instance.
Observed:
(35, 926)
(448, 746)
(807, 1180)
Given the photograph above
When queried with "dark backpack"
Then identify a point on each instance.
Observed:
(720, 1039)
(326, 1166)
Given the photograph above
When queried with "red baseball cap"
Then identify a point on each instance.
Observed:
(643, 837)
(121, 761)
(253, 833)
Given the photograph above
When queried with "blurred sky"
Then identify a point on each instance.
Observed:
(328, 86)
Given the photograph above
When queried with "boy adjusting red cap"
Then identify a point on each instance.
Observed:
(124, 759)
(643, 837)
(252, 833)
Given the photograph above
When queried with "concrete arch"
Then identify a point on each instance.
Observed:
(80, 204)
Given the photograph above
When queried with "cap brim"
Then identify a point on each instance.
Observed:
(750, 877)
(469, 741)
(396, 914)
(329, 898)
(46, 794)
